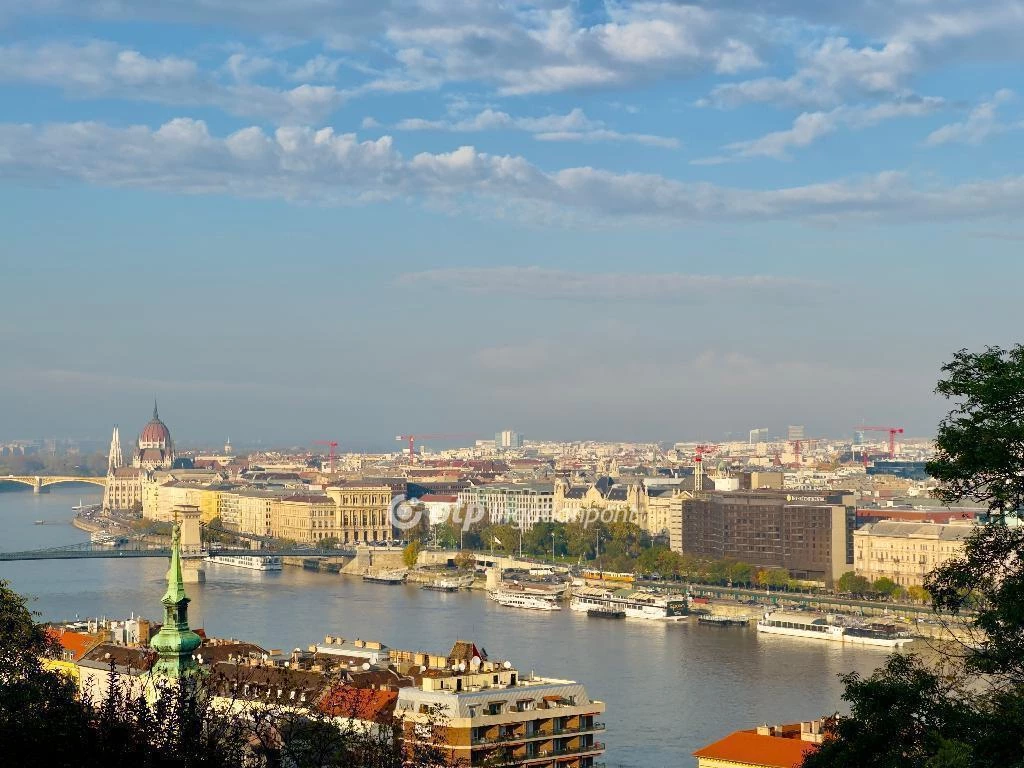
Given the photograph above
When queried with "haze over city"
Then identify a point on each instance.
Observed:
(635, 221)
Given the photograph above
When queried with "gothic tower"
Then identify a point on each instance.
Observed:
(115, 458)
(175, 643)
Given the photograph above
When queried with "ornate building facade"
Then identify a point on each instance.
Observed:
(153, 450)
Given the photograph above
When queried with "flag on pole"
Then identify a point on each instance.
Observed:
(497, 540)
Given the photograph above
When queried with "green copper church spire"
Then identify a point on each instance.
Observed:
(175, 643)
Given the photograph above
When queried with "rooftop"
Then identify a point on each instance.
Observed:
(754, 749)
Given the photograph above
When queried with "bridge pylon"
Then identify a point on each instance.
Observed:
(37, 484)
(192, 553)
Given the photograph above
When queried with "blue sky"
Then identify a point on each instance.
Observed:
(294, 220)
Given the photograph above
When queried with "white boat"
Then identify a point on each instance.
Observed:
(817, 626)
(515, 599)
(252, 562)
(635, 604)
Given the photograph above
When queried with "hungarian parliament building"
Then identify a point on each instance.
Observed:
(154, 451)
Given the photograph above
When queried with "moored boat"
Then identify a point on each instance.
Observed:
(605, 613)
(518, 599)
(445, 584)
(721, 621)
(636, 604)
(817, 626)
(385, 577)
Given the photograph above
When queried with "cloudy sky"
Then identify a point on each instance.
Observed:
(294, 219)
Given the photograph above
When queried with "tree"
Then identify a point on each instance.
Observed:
(886, 587)
(411, 553)
(773, 577)
(980, 444)
(908, 713)
(897, 716)
(331, 542)
(465, 561)
(853, 584)
(917, 593)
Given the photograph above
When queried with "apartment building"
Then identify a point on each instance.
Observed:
(907, 552)
(520, 504)
(807, 533)
(249, 510)
(488, 713)
(303, 518)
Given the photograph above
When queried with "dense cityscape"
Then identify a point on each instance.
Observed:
(826, 538)
(519, 384)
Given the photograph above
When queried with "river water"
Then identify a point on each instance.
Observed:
(669, 689)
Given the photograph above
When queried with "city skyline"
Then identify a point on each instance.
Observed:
(621, 221)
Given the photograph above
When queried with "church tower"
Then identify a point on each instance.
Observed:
(115, 458)
(175, 643)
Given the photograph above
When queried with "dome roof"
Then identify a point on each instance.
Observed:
(155, 431)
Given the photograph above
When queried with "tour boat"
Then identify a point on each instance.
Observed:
(818, 626)
(635, 604)
(515, 599)
(252, 562)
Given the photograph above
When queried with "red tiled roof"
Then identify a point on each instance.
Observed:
(748, 748)
(359, 703)
(78, 643)
(438, 497)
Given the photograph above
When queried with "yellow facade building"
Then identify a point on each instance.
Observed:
(906, 552)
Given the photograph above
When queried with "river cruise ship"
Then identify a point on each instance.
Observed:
(816, 626)
(252, 562)
(635, 604)
(517, 599)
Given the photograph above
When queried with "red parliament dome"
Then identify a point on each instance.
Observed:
(155, 431)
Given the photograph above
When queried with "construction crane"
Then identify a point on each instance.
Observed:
(413, 438)
(698, 464)
(893, 431)
(333, 444)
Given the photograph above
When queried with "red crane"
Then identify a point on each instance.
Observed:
(413, 438)
(893, 431)
(333, 444)
(701, 449)
(698, 464)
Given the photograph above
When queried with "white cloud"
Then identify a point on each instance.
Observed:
(981, 123)
(321, 165)
(572, 126)
(369, 122)
(101, 69)
(543, 283)
(808, 127)
(829, 73)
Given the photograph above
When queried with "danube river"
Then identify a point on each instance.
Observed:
(669, 689)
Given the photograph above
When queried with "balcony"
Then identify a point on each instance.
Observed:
(482, 740)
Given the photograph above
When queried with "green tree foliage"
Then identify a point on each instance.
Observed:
(851, 583)
(886, 587)
(897, 716)
(967, 707)
(980, 444)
